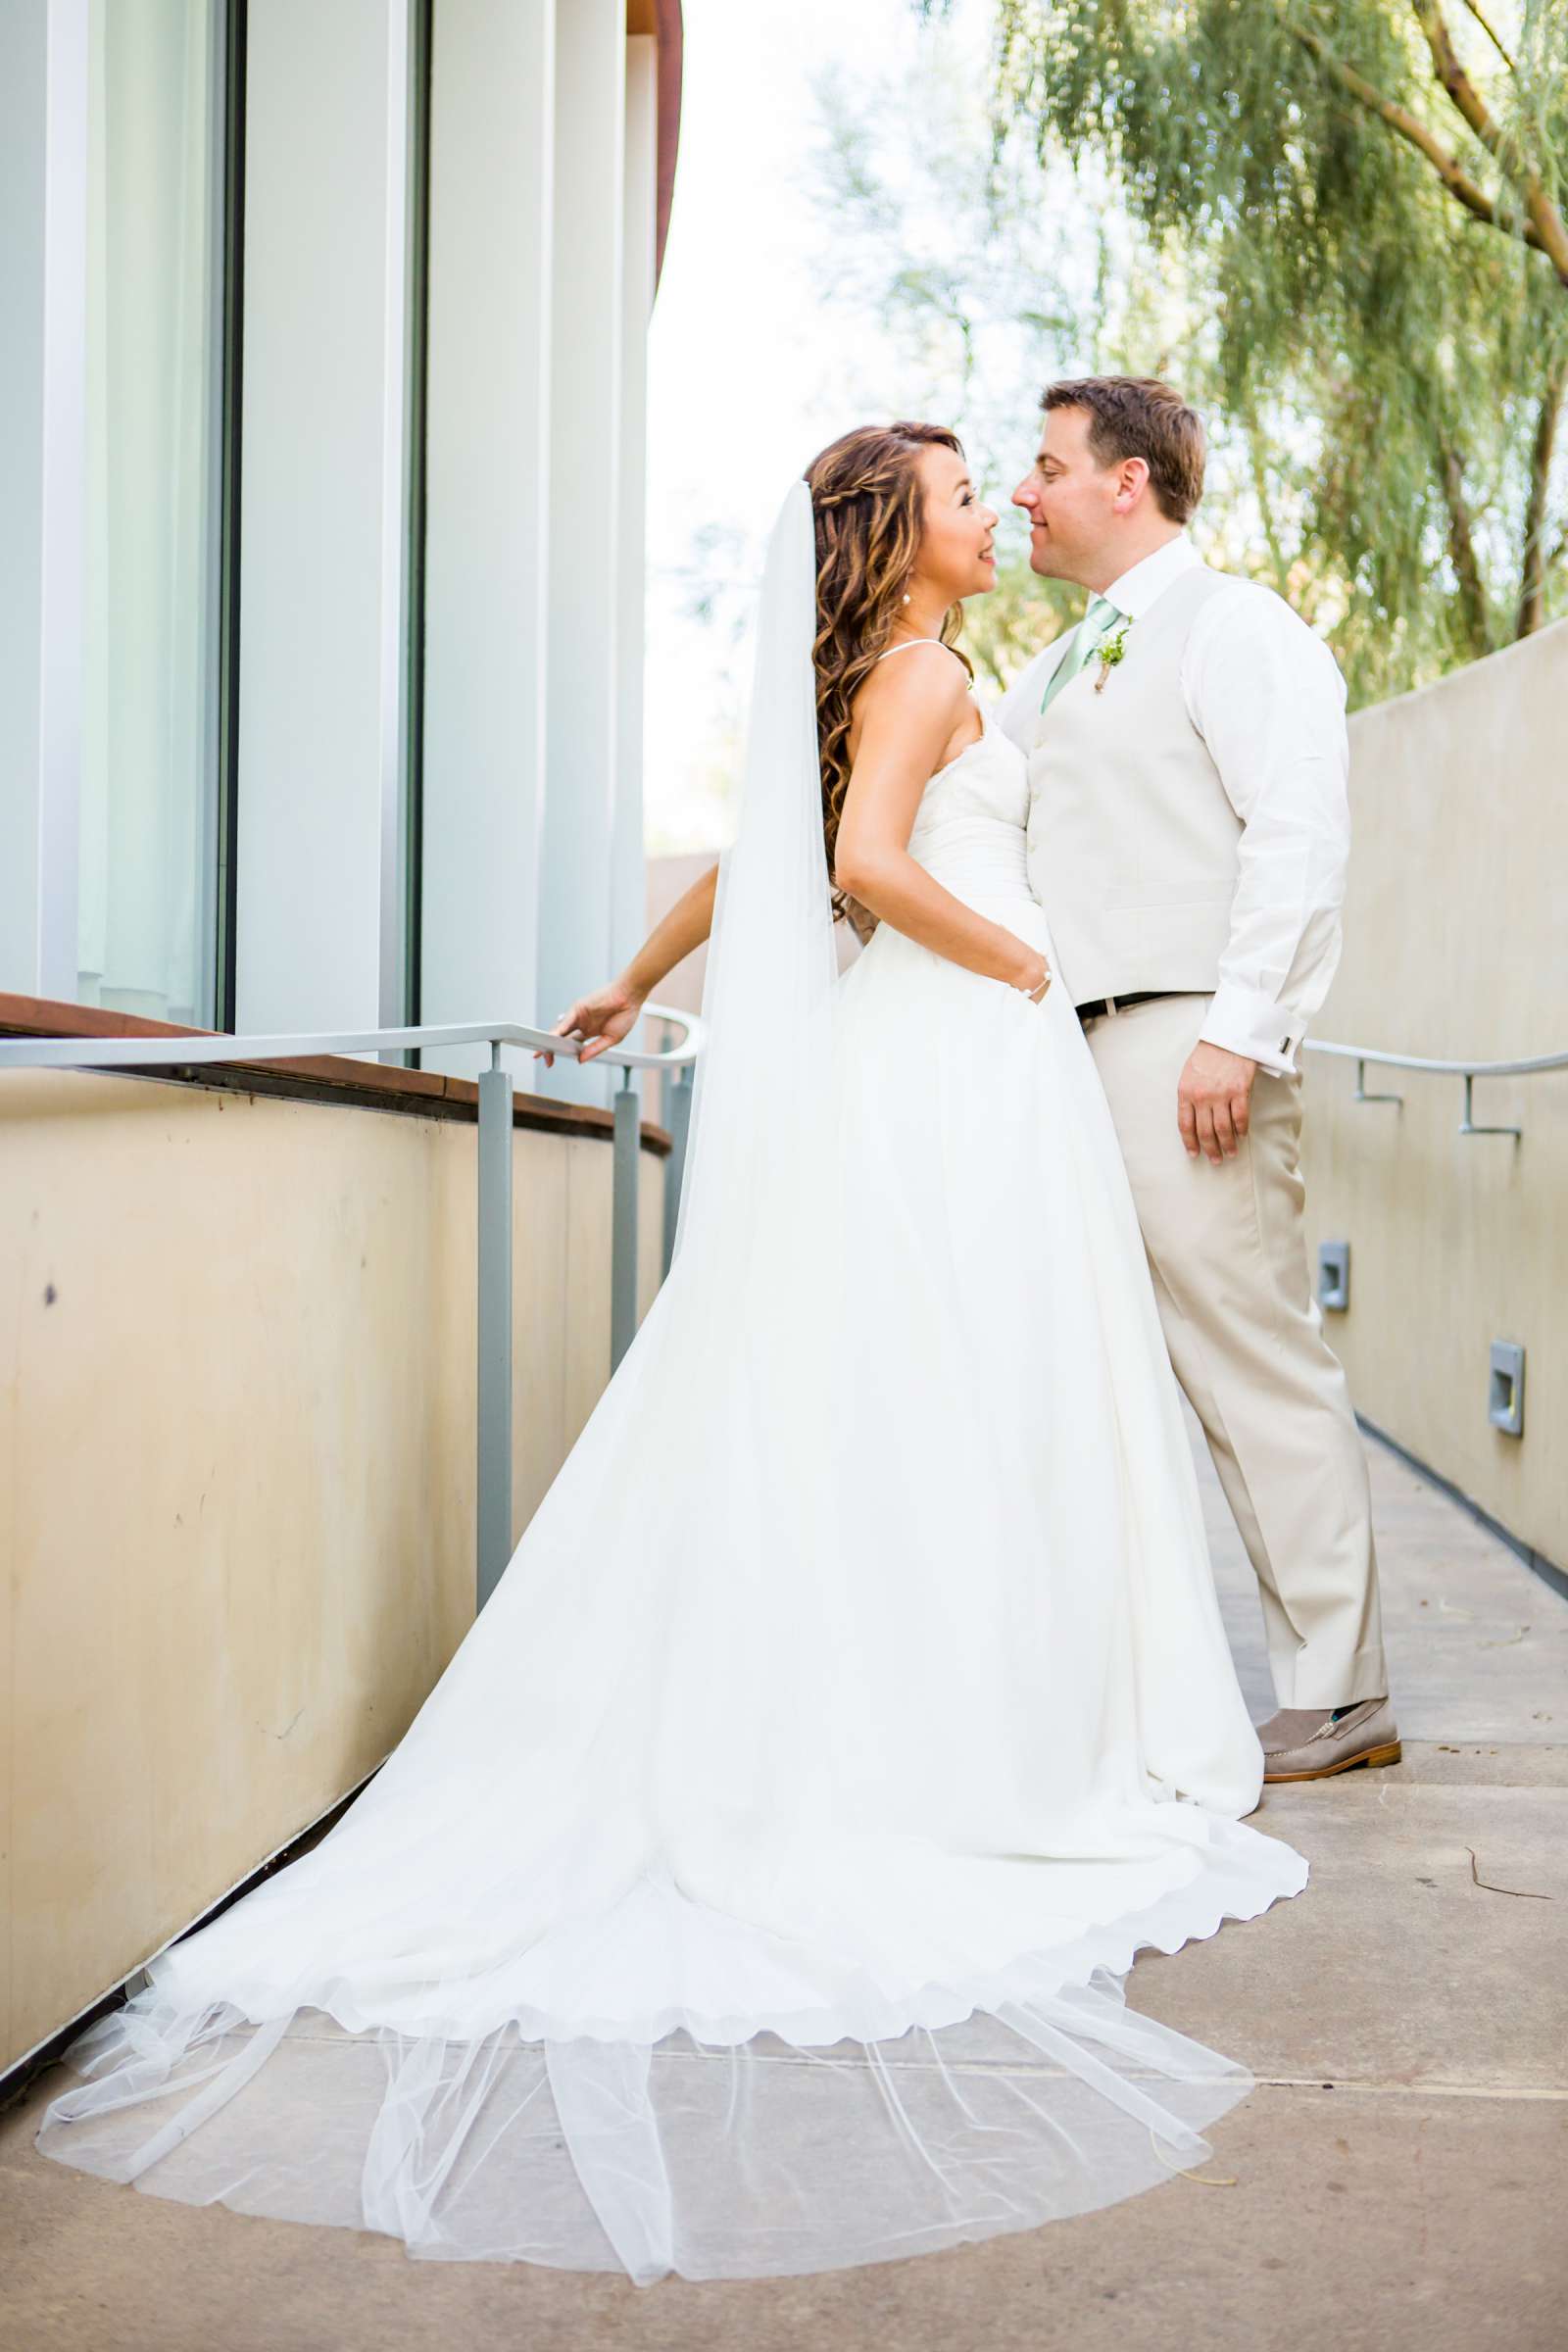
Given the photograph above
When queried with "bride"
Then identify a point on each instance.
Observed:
(754, 1892)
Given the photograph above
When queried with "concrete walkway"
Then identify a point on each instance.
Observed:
(1396, 2182)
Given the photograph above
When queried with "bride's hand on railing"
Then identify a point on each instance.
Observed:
(601, 1019)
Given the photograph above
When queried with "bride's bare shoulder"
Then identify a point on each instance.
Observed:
(913, 687)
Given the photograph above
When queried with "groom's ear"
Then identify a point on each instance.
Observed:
(1132, 479)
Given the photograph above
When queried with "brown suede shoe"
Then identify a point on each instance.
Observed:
(1306, 1743)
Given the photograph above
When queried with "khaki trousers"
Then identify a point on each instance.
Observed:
(1226, 1250)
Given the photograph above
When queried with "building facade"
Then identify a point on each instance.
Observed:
(321, 472)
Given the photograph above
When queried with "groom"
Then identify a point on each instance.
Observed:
(1187, 834)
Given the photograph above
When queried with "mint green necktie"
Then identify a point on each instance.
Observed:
(1092, 631)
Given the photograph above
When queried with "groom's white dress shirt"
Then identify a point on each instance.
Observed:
(1266, 699)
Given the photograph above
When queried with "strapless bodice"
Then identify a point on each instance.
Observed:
(969, 830)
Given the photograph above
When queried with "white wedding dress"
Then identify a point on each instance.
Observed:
(753, 1893)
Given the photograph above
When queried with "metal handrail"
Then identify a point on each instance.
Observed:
(494, 1541)
(1468, 1071)
(493, 1536)
(211, 1046)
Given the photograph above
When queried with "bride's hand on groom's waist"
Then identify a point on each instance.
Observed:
(1214, 1101)
(1030, 973)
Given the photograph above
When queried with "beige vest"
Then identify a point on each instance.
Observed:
(1132, 839)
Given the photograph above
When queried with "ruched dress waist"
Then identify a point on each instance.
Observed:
(975, 857)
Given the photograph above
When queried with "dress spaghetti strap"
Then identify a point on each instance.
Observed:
(910, 641)
(985, 723)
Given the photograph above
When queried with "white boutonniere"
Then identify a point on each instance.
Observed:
(1111, 652)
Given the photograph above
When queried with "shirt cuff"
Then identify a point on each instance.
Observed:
(1245, 1021)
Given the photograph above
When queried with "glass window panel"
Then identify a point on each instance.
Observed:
(153, 358)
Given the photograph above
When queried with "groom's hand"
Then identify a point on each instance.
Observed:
(1214, 1101)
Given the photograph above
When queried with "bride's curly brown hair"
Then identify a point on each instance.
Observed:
(867, 498)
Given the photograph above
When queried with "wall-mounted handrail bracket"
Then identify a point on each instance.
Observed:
(1467, 1125)
(1468, 1071)
(1362, 1096)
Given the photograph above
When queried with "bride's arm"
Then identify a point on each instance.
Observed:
(905, 723)
(605, 1018)
(901, 739)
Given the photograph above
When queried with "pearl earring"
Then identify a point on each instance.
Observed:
(905, 596)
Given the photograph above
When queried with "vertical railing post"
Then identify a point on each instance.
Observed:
(624, 1222)
(494, 1545)
(678, 1119)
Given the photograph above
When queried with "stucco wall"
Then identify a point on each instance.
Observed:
(236, 1476)
(1456, 946)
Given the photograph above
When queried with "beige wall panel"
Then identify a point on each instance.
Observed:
(9, 1676)
(1456, 945)
(237, 1408)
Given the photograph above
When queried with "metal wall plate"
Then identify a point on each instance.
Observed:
(1506, 1396)
(1334, 1277)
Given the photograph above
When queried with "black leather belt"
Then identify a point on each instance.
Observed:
(1142, 996)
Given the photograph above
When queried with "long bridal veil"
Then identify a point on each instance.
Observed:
(762, 1085)
(706, 1918)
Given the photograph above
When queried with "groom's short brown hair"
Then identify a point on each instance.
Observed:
(1139, 417)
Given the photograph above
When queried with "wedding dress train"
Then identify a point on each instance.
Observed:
(753, 1893)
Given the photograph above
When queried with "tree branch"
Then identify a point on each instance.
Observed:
(1410, 126)
(1491, 36)
(1532, 570)
(1462, 547)
(1259, 469)
(1550, 228)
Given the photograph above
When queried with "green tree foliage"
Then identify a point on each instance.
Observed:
(1368, 201)
(968, 271)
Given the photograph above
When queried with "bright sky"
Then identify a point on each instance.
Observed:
(748, 375)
